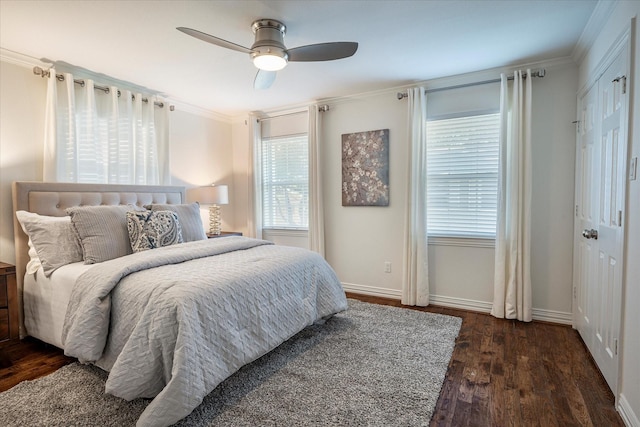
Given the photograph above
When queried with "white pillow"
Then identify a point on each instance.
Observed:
(34, 262)
(53, 239)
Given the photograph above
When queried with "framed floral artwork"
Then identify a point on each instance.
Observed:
(365, 168)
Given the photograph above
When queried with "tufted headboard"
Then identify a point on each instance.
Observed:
(52, 198)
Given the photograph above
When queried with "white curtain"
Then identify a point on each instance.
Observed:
(415, 290)
(254, 208)
(98, 136)
(512, 287)
(316, 206)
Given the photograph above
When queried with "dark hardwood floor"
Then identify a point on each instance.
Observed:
(28, 359)
(510, 373)
(502, 373)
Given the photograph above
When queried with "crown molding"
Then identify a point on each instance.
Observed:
(199, 111)
(459, 79)
(27, 61)
(21, 60)
(597, 20)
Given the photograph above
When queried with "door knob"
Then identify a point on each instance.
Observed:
(590, 234)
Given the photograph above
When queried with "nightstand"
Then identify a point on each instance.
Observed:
(8, 302)
(224, 234)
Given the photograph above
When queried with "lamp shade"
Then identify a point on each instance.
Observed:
(213, 195)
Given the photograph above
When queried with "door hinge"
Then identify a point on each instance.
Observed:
(577, 123)
(624, 83)
(574, 292)
(576, 210)
(619, 218)
(615, 343)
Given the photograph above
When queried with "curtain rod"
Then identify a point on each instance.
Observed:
(538, 73)
(60, 77)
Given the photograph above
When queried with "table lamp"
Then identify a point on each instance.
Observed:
(214, 195)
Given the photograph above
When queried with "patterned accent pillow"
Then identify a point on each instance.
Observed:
(153, 229)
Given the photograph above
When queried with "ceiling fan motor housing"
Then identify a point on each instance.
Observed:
(269, 38)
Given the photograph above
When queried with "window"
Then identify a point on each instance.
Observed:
(100, 134)
(285, 182)
(462, 174)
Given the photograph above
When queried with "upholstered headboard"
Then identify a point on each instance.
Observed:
(52, 198)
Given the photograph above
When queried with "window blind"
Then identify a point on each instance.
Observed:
(462, 176)
(285, 182)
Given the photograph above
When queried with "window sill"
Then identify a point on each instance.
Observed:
(285, 232)
(470, 242)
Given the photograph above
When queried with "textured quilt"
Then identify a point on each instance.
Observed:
(172, 323)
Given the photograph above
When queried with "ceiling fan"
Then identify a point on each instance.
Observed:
(269, 53)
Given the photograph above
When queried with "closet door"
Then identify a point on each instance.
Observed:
(587, 180)
(599, 234)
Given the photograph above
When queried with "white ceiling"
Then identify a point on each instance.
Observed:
(400, 42)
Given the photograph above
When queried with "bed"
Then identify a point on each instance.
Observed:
(168, 323)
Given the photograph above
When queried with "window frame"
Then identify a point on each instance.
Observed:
(271, 229)
(441, 239)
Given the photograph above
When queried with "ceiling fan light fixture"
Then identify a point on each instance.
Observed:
(270, 60)
(269, 53)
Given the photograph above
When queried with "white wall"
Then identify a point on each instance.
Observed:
(360, 239)
(201, 154)
(201, 147)
(21, 141)
(629, 385)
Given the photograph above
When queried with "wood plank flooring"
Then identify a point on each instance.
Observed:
(510, 373)
(502, 373)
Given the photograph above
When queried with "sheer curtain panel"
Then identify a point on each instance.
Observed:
(512, 287)
(316, 205)
(104, 135)
(254, 207)
(415, 288)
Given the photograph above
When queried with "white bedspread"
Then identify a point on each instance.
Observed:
(172, 323)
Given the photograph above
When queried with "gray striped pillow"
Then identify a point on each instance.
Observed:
(102, 231)
(189, 217)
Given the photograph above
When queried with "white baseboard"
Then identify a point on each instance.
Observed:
(629, 417)
(460, 303)
(372, 290)
(552, 316)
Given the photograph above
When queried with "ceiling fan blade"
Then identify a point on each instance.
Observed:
(264, 79)
(322, 51)
(213, 40)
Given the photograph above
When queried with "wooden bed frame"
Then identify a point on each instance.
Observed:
(53, 198)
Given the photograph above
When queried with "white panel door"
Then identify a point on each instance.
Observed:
(599, 233)
(587, 177)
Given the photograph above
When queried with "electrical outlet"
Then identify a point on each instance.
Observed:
(387, 267)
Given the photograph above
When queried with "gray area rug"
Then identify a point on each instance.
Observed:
(372, 365)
